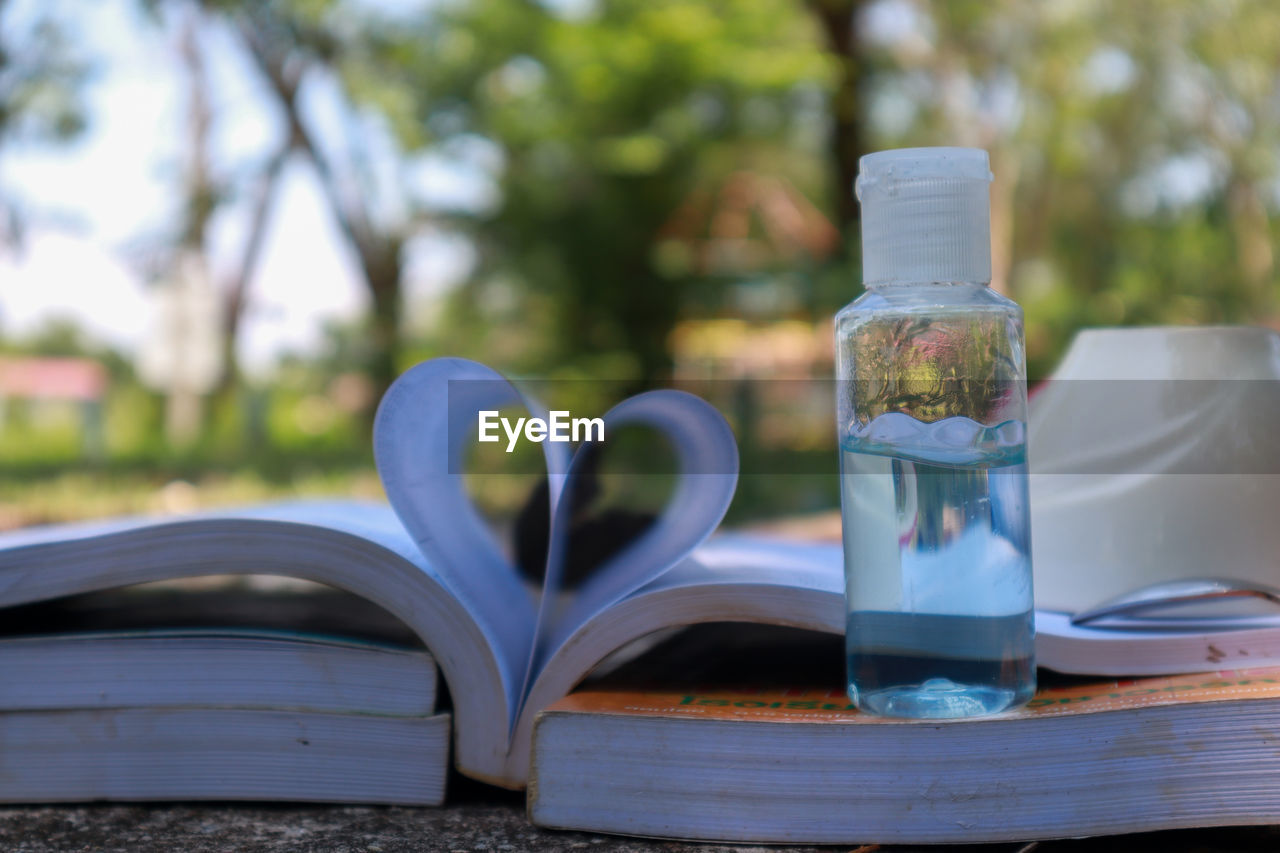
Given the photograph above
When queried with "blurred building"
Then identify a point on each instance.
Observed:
(760, 355)
(50, 387)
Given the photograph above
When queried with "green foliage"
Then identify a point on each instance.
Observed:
(59, 337)
(602, 126)
(1135, 148)
(41, 75)
(41, 82)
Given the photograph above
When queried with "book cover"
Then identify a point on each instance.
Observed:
(830, 705)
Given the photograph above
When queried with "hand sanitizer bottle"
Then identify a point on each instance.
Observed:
(931, 412)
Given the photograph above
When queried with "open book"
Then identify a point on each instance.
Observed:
(761, 748)
(507, 650)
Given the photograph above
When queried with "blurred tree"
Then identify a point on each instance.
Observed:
(838, 20)
(194, 353)
(1136, 142)
(204, 191)
(41, 77)
(593, 123)
(294, 46)
(293, 42)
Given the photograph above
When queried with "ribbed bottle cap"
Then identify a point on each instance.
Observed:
(926, 215)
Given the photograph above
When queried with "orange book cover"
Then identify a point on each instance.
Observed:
(830, 705)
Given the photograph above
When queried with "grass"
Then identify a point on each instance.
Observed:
(47, 476)
(78, 494)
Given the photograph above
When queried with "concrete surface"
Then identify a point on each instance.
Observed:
(477, 819)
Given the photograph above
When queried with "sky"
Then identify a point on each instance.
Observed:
(95, 206)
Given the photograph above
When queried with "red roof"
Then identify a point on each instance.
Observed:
(52, 378)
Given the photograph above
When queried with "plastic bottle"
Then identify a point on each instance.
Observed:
(931, 409)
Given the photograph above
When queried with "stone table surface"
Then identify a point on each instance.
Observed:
(477, 819)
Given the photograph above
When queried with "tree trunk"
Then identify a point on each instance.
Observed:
(838, 21)
(384, 355)
(184, 415)
(1252, 232)
(377, 249)
(237, 289)
(1005, 167)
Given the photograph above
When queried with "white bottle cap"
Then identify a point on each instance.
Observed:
(926, 215)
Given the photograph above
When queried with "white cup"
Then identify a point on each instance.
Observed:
(1155, 456)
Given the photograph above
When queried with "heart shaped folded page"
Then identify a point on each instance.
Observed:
(425, 428)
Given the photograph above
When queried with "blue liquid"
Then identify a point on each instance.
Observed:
(937, 567)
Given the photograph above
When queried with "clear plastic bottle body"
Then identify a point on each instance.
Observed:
(931, 414)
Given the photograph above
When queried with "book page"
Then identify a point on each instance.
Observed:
(732, 578)
(707, 456)
(425, 427)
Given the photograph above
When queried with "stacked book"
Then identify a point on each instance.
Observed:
(223, 691)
